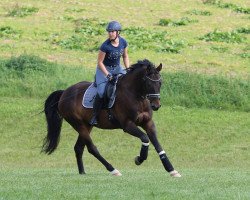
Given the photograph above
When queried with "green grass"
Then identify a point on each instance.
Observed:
(180, 88)
(18, 11)
(203, 123)
(53, 35)
(134, 184)
(181, 22)
(234, 7)
(199, 12)
(228, 37)
(9, 33)
(194, 138)
(210, 148)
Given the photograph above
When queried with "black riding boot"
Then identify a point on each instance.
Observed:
(96, 109)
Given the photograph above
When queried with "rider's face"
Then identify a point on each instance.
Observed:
(112, 35)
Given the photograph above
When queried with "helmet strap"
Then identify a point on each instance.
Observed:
(117, 34)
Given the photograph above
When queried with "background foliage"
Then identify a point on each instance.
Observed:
(203, 123)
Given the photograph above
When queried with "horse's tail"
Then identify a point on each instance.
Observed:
(54, 122)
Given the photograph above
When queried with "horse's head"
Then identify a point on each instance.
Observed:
(148, 81)
(152, 85)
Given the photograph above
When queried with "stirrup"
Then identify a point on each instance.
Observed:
(93, 121)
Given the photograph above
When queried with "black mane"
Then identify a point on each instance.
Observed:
(141, 63)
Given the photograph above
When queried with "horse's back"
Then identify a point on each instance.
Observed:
(81, 85)
(71, 99)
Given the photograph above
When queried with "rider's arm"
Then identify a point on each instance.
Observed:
(125, 57)
(101, 56)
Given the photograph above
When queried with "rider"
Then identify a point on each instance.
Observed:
(108, 63)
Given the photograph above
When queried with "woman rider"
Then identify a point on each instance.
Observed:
(108, 63)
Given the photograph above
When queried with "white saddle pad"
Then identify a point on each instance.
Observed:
(89, 97)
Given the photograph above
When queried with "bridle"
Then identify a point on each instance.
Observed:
(152, 95)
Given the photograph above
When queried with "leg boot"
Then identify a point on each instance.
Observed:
(96, 109)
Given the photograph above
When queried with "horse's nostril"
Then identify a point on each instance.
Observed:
(154, 107)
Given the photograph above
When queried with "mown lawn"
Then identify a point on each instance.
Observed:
(64, 183)
(210, 148)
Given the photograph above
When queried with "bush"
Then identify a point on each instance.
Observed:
(245, 55)
(18, 11)
(76, 10)
(219, 49)
(141, 38)
(172, 46)
(90, 27)
(231, 6)
(89, 32)
(29, 75)
(165, 22)
(199, 12)
(86, 37)
(244, 30)
(74, 42)
(27, 63)
(10, 33)
(228, 37)
(181, 22)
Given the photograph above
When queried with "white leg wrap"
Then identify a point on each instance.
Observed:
(162, 152)
(145, 144)
(175, 174)
(115, 172)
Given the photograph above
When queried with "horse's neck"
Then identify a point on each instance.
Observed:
(133, 83)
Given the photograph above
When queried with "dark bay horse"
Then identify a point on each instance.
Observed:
(137, 95)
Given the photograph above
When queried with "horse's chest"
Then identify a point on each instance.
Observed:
(143, 117)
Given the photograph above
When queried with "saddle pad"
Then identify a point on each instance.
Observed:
(89, 97)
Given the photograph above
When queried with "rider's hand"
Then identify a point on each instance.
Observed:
(109, 77)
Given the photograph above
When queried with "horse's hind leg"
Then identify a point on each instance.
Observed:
(79, 147)
(85, 139)
(94, 151)
(84, 131)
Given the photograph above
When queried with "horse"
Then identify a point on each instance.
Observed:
(137, 96)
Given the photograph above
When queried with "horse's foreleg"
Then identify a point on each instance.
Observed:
(79, 147)
(151, 132)
(132, 129)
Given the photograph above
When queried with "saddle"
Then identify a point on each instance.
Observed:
(109, 94)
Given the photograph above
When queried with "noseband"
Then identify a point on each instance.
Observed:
(153, 95)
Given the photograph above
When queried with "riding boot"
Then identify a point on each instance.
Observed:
(96, 109)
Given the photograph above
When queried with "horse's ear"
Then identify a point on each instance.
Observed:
(148, 68)
(159, 68)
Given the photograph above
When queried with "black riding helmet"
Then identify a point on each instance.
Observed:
(114, 26)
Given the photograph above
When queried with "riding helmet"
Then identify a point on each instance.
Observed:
(114, 26)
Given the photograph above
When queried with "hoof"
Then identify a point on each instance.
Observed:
(137, 162)
(175, 174)
(115, 172)
(82, 173)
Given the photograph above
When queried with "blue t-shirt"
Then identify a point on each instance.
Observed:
(113, 54)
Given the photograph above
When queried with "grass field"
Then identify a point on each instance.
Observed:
(210, 148)
(134, 184)
(203, 123)
(48, 33)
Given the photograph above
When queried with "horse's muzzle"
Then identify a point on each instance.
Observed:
(154, 101)
(155, 106)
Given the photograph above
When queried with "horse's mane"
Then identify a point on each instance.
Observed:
(139, 65)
